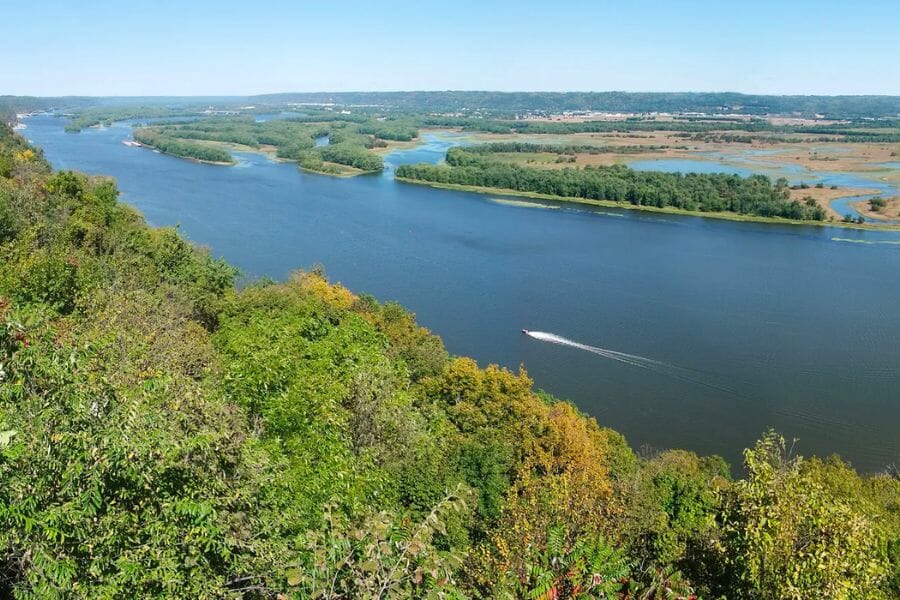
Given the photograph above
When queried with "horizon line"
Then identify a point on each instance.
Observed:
(445, 91)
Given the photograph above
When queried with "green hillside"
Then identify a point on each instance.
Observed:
(166, 435)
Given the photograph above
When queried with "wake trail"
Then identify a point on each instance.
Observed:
(663, 368)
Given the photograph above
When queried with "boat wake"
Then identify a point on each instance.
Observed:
(642, 362)
(867, 242)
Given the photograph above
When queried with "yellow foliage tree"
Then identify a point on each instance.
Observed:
(333, 294)
(562, 486)
(26, 155)
(493, 398)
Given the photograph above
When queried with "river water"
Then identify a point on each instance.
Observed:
(739, 326)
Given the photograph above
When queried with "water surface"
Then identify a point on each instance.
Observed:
(791, 327)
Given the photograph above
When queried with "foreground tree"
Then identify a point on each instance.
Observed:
(787, 536)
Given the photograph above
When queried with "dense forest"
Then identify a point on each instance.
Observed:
(164, 434)
(717, 192)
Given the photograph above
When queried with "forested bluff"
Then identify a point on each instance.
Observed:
(164, 434)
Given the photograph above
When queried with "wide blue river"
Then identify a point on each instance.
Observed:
(732, 327)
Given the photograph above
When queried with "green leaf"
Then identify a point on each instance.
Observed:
(294, 577)
(6, 437)
(370, 566)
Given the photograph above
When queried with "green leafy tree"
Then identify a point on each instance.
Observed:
(788, 537)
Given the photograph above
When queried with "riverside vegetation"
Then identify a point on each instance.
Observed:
(515, 150)
(348, 150)
(755, 195)
(164, 434)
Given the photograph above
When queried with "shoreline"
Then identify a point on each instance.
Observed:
(340, 175)
(267, 154)
(271, 154)
(864, 208)
(727, 216)
(216, 163)
(876, 223)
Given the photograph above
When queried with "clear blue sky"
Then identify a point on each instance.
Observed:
(162, 47)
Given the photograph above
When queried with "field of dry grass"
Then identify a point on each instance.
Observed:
(824, 196)
(890, 211)
(815, 156)
(868, 160)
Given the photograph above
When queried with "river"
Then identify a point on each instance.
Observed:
(740, 326)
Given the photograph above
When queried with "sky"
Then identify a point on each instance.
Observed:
(225, 47)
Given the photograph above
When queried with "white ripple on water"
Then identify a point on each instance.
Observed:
(811, 419)
(867, 242)
(682, 373)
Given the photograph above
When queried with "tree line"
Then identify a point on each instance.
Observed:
(755, 195)
(181, 148)
(530, 147)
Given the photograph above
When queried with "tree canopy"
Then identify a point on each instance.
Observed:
(164, 434)
(716, 192)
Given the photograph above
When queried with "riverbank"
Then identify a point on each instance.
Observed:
(761, 155)
(217, 163)
(346, 173)
(728, 216)
(889, 213)
(136, 144)
(863, 168)
(269, 151)
(826, 196)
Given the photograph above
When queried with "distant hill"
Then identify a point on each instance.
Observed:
(10, 105)
(725, 102)
(508, 103)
